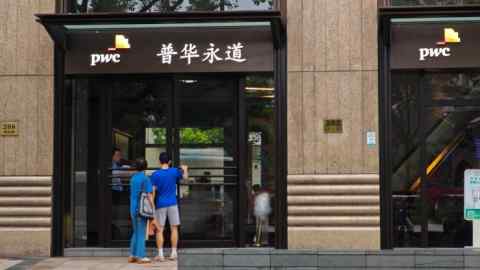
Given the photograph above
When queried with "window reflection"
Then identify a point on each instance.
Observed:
(447, 86)
(260, 102)
(433, 2)
(428, 200)
(450, 152)
(138, 6)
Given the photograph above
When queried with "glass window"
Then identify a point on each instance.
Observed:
(261, 160)
(447, 86)
(431, 2)
(450, 151)
(137, 6)
(405, 132)
(428, 199)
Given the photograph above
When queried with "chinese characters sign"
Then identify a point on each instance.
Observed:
(233, 53)
(171, 50)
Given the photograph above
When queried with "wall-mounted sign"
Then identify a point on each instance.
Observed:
(113, 55)
(471, 195)
(9, 128)
(371, 138)
(333, 126)
(170, 50)
(436, 45)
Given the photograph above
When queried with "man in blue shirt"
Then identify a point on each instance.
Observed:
(116, 171)
(165, 182)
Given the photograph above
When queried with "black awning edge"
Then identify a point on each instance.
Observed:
(54, 23)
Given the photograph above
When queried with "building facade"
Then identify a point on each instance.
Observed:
(27, 159)
(276, 97)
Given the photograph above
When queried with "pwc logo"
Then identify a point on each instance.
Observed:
(450, 36)
(121, 43)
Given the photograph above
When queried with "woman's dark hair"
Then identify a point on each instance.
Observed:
(141, 164)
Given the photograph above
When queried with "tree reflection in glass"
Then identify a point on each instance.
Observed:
(139, 6)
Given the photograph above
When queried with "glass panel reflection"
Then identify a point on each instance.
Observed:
(138, 6)
(448, 86)
(450, 153)
(450, 131)
(207, 146)
(260, 103)
(406, 201)
(433, 2)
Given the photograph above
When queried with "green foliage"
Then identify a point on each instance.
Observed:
(160, 135)
(191, 136)
(201, 136)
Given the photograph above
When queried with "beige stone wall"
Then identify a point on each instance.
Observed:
(26, 88)
(332, 74)
(26, 96)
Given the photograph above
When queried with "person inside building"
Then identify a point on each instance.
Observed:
(165, 181)
(262, 209)
(139, 183)
(116, 171)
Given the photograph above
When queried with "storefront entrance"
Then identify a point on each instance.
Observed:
(221, 127)
(430, 126)
(208, 89)
(196, 119)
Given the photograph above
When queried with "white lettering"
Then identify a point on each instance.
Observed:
(234, 53)
(435, 52)
(104, 59)
(446, 52)
(94, 59)
(425, 53)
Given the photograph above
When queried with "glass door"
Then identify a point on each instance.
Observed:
(141, 127)
(117, 120)
(206, 141)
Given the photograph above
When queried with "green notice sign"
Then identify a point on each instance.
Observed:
(471, 195)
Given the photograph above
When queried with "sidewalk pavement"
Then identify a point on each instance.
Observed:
(87, 263)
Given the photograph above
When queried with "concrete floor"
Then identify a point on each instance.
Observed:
(81, 264)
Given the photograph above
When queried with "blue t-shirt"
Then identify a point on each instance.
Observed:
(138, 181)
(165, 181)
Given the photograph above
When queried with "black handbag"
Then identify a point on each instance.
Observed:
(145, 208)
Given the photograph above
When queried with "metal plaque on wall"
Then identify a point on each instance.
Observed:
(333, 126)
(9, 128)
(170, 50)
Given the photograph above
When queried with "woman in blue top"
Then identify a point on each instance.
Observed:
(138, 183)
